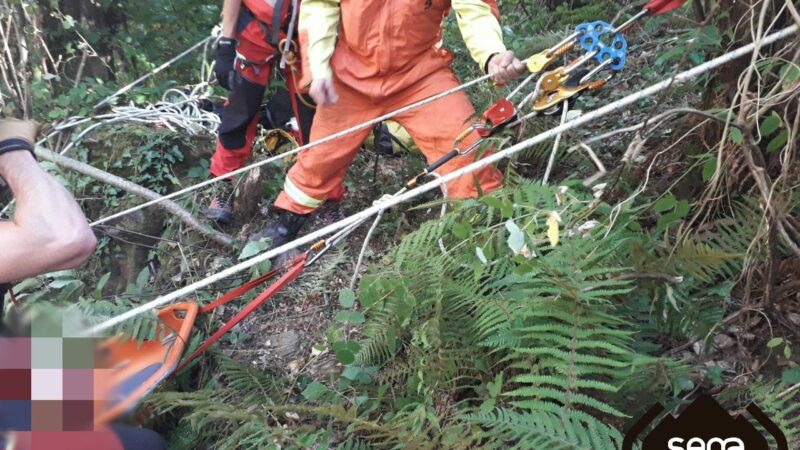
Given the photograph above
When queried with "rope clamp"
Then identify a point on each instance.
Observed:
(554, 79)
(544, 59)
(496, 117)
(554, 98)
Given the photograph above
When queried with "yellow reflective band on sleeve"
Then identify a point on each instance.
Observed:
(299, 196)
(319, 21)
(479, 28)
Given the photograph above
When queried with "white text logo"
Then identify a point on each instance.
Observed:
(712, 444)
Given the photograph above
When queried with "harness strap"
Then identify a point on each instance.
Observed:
(272, 36)
(282, 9)
(397, 141)
(291, 82)
(295, 269)
(265, 30)
(279, 11)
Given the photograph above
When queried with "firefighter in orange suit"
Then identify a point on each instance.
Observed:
(365, 58)
(253, 32)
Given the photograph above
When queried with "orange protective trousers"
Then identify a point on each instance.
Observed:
(434, 127)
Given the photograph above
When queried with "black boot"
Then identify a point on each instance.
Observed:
(283, 229)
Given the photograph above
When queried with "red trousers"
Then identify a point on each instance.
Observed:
(434, 127)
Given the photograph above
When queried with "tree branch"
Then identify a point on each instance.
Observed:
(135, 189)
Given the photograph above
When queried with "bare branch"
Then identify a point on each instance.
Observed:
(175, 209)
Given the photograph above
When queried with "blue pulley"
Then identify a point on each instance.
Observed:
(589, 36)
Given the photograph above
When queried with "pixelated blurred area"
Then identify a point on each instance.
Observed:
(52, 378)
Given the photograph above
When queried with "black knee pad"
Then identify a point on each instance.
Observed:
(243, 104)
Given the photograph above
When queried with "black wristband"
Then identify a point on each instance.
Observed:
(488, 60)
(15, 144)
(227, 42)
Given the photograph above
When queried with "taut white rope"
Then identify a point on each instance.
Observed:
(678, 79)
(552, 160)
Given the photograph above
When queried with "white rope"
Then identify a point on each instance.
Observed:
(324, 140)
(678, 79)
(158, 69)
(379, 216)
(443, 212)
(289, 34)
(552, 160)
(365, 244)
(185, 115)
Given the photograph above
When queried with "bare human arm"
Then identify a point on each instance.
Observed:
(49, 231)
(230, 14)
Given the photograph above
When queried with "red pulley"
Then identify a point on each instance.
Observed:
(656, 7)
(502, 112)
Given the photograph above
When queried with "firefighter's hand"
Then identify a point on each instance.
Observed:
(323, 92)
(505, 67)
(224, 62)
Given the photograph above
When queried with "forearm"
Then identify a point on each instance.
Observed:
(319, 27)
(230, 15)
(480, 28)
(49, 232)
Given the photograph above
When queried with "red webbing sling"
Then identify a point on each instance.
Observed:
(293, 270)
(656, 7)
(294, 93)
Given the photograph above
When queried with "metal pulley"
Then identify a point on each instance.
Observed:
(554, 79)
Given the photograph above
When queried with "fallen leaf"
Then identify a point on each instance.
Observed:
(553, 219)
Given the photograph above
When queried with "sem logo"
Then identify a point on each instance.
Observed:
(705, 425)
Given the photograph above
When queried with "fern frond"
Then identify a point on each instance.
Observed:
(535, 430)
